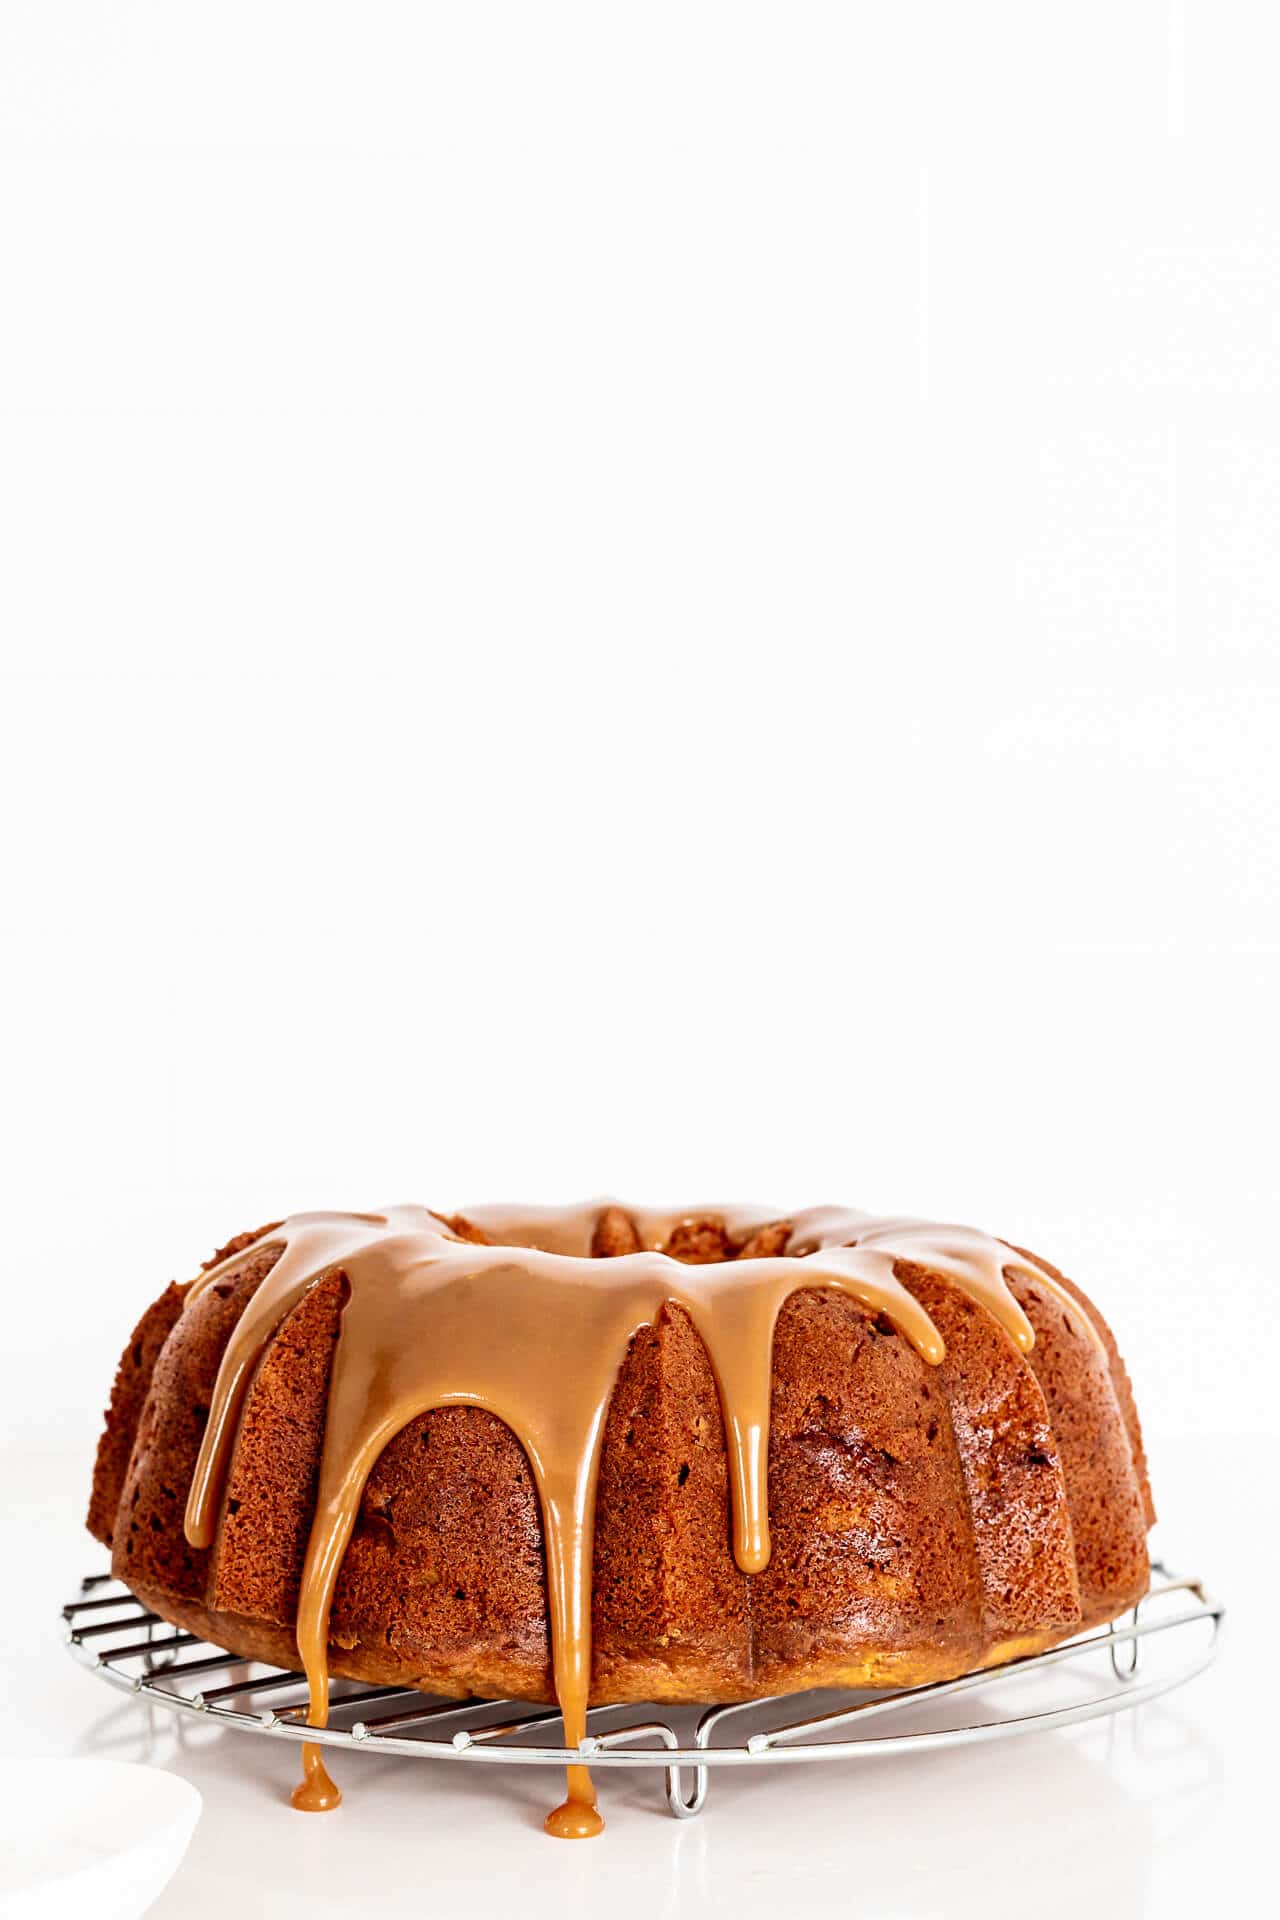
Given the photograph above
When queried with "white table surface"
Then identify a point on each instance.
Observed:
(1167, 1809)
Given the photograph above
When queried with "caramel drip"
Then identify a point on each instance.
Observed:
(315, 1792)
(533, 1328)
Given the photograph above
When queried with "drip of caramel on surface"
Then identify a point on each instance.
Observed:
(512, 1310)
(315, 1792)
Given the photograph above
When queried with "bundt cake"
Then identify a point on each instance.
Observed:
(603, 1453)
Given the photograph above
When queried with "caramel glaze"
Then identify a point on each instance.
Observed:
(529, 1314)
(315, 1792)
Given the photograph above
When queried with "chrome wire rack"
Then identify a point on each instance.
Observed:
(1170, 1636)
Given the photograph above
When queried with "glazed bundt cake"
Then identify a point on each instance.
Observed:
(603, 1453)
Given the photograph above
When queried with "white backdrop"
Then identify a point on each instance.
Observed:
(678, 600)
(672, 606)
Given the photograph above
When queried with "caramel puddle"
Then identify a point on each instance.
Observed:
(315, 1792)
(577, 1817)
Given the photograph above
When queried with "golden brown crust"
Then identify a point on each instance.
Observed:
(1119, 1379)
(615, 1233)
(766, 1243)
(700, 1241)
(256, 1568)
(1011, 1467)
(871, 1552)
(149, 1543)
(1108, 1519)
(128, 1396)
(668, 1595)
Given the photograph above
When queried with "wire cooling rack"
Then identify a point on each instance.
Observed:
(1170, 1636)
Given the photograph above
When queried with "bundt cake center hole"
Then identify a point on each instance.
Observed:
(699, 1240)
